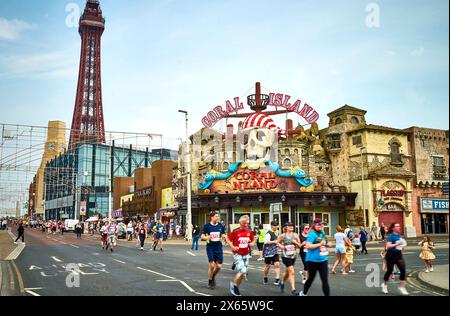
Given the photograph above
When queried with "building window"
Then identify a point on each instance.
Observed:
(335, 141)
(354, 120)
(439, 168)
(338, 121)
(287, 163)
(357, 140)
(225, 166)
(395, 153)
(287, 152)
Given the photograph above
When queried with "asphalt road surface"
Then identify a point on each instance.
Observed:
(47, 264)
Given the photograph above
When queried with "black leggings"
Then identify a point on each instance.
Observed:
(364, 249)
(391, 261)
(322, 267)
(142, 240)
(21, 236)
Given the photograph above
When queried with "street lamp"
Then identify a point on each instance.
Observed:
(362, 185)
(188, 170)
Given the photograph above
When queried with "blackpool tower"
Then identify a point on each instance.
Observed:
(88, 124)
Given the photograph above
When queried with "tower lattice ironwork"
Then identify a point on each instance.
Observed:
(88, 123)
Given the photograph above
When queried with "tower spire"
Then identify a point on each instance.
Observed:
(88, 124)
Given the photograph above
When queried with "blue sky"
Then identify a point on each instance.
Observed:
(162, 55)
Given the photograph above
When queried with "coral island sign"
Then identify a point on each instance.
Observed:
(304, 110)
(268, 178)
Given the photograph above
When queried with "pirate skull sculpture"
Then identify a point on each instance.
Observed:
(260, 135)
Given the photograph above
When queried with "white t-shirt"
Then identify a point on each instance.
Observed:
(340, 240)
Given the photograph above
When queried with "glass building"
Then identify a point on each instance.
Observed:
(82, 178)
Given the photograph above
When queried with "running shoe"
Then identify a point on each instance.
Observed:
(281, 286)
(384, 288)
(302, 294)
(234, 290)
(352, 271)
(210, 285)
(304, 280)
(431, 269)
(295, 293)
(277, 282)
(427, 271)
(403, 291)
(266, 281)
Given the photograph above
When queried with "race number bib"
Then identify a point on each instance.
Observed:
(243, 242)
(323, 251)
(290, 250)
(215, 236)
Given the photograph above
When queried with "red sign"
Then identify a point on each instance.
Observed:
(275, 99)
(393, 193)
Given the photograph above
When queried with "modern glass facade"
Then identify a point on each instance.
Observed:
(85, 173)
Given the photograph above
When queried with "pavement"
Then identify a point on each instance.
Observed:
(7, 245)
(437, 279)
(51, 265)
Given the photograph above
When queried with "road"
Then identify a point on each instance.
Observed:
(41, 270)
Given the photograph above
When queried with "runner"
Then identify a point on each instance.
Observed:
(394, 256)
(340, 239)
(303, 252)
(159, 236)
(241, 241)
(62, 226)
(260, 241)
(20, 233)
(427, 254)
(130, 231)
(270, 252)
(212, 233)
(142, 235)
(78, 230)
(104, 235)
(288, 242)
(317, 258)
(112, 235)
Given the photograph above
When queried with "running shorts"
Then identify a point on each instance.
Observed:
(272, 260)
(215, 254)
(241, 263)
(288, 261)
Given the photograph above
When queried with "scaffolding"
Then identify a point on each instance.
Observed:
(26, 153)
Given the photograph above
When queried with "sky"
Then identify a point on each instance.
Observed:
(390, 58)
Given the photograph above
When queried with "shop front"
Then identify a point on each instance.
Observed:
(393, 205)
(262, 208)
(434, 215)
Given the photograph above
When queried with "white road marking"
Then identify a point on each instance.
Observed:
(31, 292)
(56, 259)
(157, 273)
(119, 261)
(203, 294)
(193, 255)
(74, 246)
(182, 282)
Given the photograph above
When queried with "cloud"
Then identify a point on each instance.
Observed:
(12, 29)
(418, 52)
(39, 66)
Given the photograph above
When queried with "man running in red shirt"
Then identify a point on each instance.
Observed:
(240, 241)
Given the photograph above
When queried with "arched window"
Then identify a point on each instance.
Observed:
(354, 120)
(395, 153)
(287, 163)
(338, 121)
(287, 152)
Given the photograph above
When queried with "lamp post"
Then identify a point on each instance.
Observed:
(188, 171)
(362, 185)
